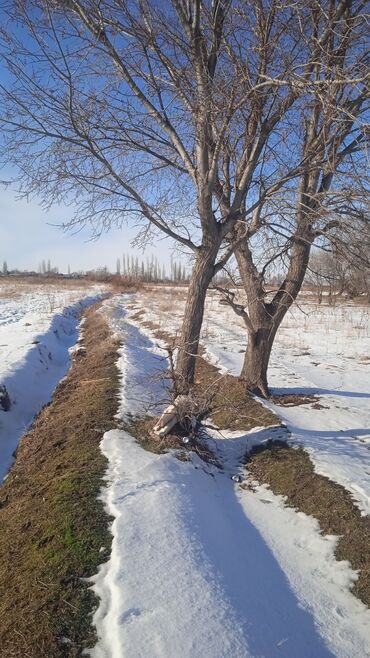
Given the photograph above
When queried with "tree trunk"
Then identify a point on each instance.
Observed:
(265, 318)
(202, 275)
(256, 360)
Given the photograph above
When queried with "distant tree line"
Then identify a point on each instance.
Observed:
(45, 268)
(147, 270)
(150, 269)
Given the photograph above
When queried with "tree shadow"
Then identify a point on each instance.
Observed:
(310, 390)
(246, 572)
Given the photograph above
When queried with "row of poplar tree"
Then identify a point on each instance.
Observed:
(146, 270)
(150, 269)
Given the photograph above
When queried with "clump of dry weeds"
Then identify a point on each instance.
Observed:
(294, 399)
(180, 441)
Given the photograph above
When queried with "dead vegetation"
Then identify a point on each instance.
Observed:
(54, 531)
(295, 400)
(221, 399)
(290, 472)
(179, 441)
(14, 285)
(124, 284)
(230, 405)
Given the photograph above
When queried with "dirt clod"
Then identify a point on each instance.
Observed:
(5, 402)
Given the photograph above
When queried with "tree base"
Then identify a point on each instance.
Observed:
(261, 390)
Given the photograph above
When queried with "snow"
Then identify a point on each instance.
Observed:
(38, 327)
(145, 389)
(319, 350)
(201, 566)
(323, 351)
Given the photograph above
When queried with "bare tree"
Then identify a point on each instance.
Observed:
(328, 205)
(342, 268)
(160, 114)
(328, 274)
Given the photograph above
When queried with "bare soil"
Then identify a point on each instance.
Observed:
(54, 531)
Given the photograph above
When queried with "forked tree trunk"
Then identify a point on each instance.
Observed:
(202, 275)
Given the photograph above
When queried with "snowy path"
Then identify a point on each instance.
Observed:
(201, 568)
(37, 329)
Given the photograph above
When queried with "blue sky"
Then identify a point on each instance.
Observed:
(28, 235)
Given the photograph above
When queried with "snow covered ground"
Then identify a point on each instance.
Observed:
(323, 351)
(201, 567)
(319, 350)
(38, 326)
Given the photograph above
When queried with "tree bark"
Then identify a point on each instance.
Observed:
(202, 275)
(265, 318)
(256, 360)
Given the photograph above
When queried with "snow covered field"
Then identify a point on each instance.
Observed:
(38, 326)
(203, 568)
(323, 351)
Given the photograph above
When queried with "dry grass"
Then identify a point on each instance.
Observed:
(124, 284)
(53, 527)
(295, 400)
(167, 300)
(13, 287)
(230, 405)
(142, 431)
(290, 472)
(222, 398)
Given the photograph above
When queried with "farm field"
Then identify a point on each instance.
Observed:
(207, 559)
